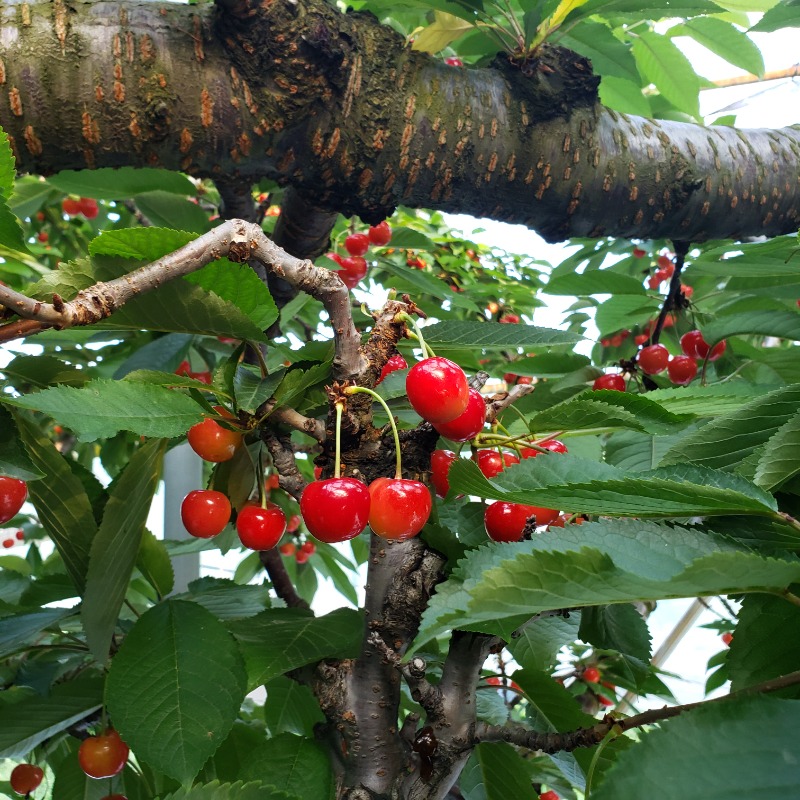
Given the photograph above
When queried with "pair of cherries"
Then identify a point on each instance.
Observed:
(338, 509)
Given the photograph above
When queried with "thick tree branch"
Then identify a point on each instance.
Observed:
(282, 90)
(587, 737)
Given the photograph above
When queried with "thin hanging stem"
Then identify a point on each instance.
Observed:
(337, 469)
(398, 471)
(426, 351)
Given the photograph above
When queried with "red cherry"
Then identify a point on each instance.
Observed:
(551, 795)
(335, 257)
(665, 263)
(13, 493)
(441, 461)
(469, 424)
(510, 377)
(654, 281)
(380, 235)
(392, 365)
(727, 638)
(25, 778)
(20, 535)
(308, 547)
(355, 267)
(554, 446)
(336, 509)
(614, 382)
(350, 281)
(317, 473)
(604, 701)
(399, 508)
(690, 342)
(293, 524)
(273, 481)
(103, 756)
(591, 675)
(641, 338)
(491, 463)
(717, 350)
(260, 528)
(653, 359)
(494, 680)
(505, 522)
(301, 556)
(184, 368)
(682, 370)
(70, 207)
(687, 291)
(88, 207)
(638, 252)
(211, 441)
(288, 549)
(42, 236)
(524, 380)
(357, 244)
(8, 543)
(509, 319)
(205, 513)
(437, 389)
(454, 61)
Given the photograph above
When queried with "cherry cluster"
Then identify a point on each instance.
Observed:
(72, 207)
(354, 265)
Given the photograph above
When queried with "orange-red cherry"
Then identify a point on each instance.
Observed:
(399, 508)
(260, 528)
(380, 235)
(395, 363)
(336, 509)
(13, 493)
(205, 513)
(613, 382)
(212, 442)
(491, 463)
(681, 370)
(25, 778)
(437, 389)
(469, 424)
(103, 756)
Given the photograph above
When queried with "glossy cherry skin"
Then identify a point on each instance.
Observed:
(103, 756)
(25, 778)
(591, 675)
(553, 445)
(13, 493)
(692, 343)
(260, 528)
(88, 207)
(399, 508)
(336, 509)
(392, 365)
(551, 795)
(437, 389)
(491, 463)
(381, 234)
(615, 383)
(212, 442)
(355, 267)
(717, 350)
(441, 461)
(469, 424)
(653, 359)
(505, 522)
(71, 207)
(205, 513)
(681, 370)
(357, 244)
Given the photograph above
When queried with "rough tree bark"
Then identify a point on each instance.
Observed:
(335, 106)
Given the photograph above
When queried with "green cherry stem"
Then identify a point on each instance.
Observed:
(408, 319)
(337, 469)
(398, 472)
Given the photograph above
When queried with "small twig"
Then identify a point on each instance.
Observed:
(588, 737)
(281, 582)
(137, 214)
(282, 452)
(671, 300)
(284, 415)
(502, 401)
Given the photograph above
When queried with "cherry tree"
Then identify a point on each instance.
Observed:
(223, 223)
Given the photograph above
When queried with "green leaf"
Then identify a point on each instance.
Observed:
(783, 324)
(637, 452)
(781, 15)
(471, 336)
(7, 166)
(29, 195)
(251, 390)
(120, 184)
(154, 563)
(617, 627)
(230, 791)
(297, 381)
(537, 646)
(693, 740)
(724, 442)
(662, 63)
(778, 461)
(27, 723)
(594, 281)
(61, 503)
(14, 460)
(227, 600)
(609, 55)
(766, 643)
(298, 766)
(103, 407)
(621, 561)
(623, 310)
(165, 210)
(291, 707)
(296, 638)
(11, 236)
(116, 546)
(233, 754)
(566, 482)
(412, 279)
(725, 40)
(444, 30)
(495, 771)
(624, 96)
(175, 687)
(15, 630)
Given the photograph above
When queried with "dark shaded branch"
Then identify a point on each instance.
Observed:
(282, 452)
(672, 300)
(281, 582)
(588, 737)
(294, 419)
